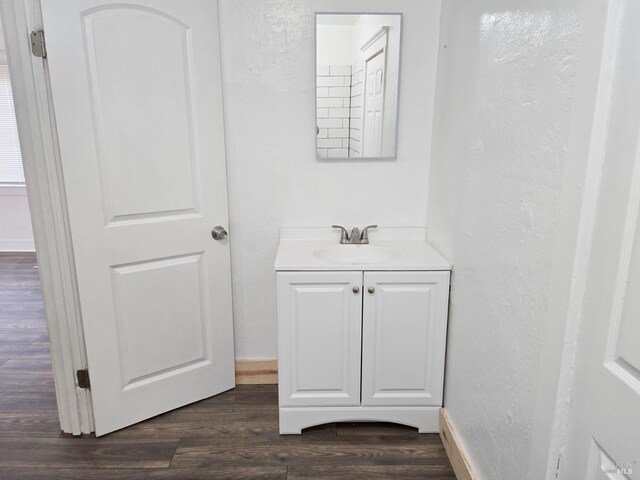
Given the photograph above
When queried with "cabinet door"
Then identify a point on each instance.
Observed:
(404, 335)
(319, 338)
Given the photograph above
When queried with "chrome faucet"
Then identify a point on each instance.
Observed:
(364, 237)
(356, 238)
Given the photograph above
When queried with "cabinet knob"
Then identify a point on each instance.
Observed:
(355, 290)
(371, 290)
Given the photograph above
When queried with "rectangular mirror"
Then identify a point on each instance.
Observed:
(357, 73)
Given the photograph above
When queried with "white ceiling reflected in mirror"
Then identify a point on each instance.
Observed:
(357, 73)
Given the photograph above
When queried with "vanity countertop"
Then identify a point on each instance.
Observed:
(390, 248)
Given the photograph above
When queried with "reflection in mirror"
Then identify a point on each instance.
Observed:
(357, 70)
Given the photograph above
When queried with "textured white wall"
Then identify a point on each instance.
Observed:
(274, 178)
(502, 125)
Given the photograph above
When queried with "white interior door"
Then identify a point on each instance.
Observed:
(604, 429)
(374, 83)
(136, 92)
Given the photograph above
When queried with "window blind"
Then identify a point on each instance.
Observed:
(10, 159)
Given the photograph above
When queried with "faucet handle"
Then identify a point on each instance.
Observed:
(344, 237)
(364, 236)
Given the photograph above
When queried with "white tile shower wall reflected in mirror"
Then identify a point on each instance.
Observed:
(357, 71)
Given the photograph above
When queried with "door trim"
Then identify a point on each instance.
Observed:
(49, 216)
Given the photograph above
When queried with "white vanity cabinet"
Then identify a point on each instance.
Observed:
(361, 346)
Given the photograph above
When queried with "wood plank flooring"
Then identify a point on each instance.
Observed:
(230, 436)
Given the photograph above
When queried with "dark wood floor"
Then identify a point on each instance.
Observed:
(231, 436)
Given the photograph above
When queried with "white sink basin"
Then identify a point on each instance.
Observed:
(357, 254)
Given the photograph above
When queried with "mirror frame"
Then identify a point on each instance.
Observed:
(318, 157)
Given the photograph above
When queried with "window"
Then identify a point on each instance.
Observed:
(10, 159)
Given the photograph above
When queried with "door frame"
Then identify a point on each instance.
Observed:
(376, 45)
(49, 215)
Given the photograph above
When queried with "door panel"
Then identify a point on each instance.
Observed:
(159, 303)
(159, 86)
(625, 329)
(319, 338)
(137, 96)
(404, 335)
(374, 103)
(603, 441)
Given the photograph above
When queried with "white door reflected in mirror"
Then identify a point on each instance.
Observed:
(357, 72)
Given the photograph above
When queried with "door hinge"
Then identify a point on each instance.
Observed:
(38, 47)
(83, 378)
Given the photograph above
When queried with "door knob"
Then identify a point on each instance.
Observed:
(355, 290)
(371, 290)
(219, 233)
